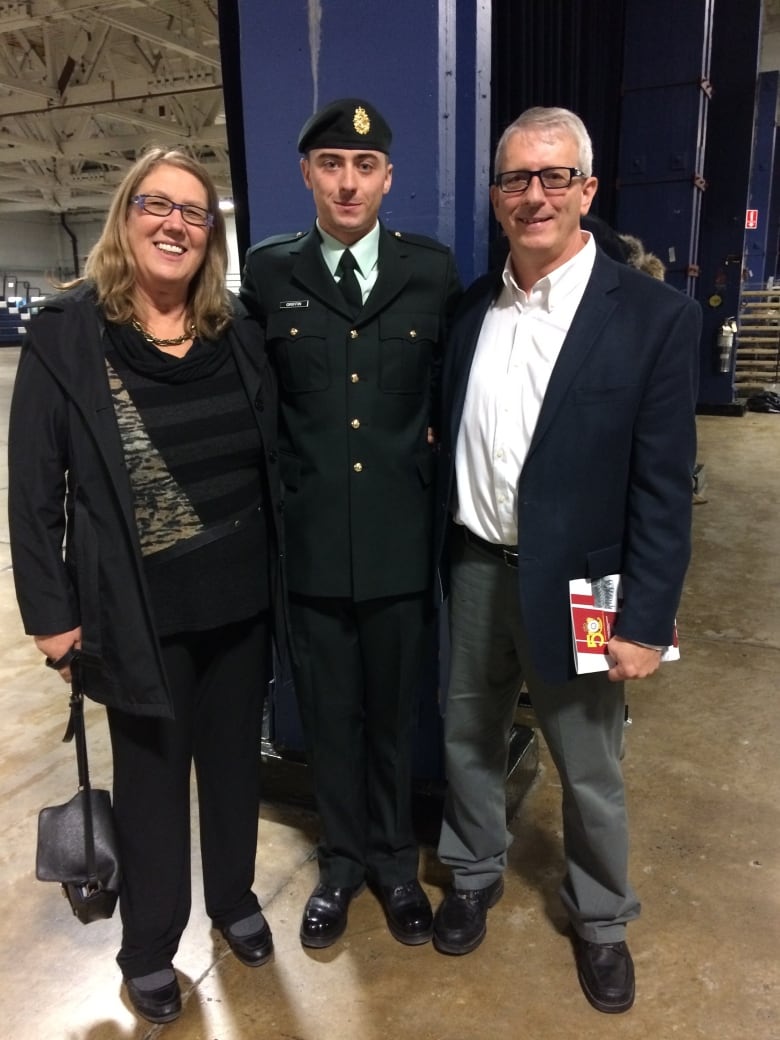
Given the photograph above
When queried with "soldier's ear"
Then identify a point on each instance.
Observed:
(305, 172)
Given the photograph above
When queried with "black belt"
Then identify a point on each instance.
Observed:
(506, 553)
(205, 537)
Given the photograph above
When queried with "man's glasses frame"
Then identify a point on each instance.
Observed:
(160, 206)
(551, 178)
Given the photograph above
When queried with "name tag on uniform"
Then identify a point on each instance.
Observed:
(293, 305)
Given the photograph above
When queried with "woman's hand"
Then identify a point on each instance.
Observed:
(56, 647)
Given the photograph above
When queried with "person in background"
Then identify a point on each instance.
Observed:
(143, 440)
(567, 450)
(355, 318)
(637, 256)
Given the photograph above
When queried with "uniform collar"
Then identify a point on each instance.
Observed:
(365, 250)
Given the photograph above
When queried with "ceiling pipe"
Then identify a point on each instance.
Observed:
(74, 244)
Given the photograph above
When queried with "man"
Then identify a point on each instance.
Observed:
(354, 317)
(567, 452)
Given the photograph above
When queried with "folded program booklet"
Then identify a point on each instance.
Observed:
(594, 610)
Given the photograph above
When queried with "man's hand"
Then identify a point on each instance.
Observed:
(55, 647)
(632, 661)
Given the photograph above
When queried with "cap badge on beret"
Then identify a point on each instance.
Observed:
(351, 123)
(360, 121)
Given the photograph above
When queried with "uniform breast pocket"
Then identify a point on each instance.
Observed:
(298, 345)
(406, 344)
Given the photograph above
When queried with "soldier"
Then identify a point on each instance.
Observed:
(355, 317)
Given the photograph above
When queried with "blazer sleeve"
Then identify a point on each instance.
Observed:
(452, 293)
(660, 495)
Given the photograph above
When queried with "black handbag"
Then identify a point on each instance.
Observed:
(77, 844)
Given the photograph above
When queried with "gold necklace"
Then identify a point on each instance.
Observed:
(177, 341)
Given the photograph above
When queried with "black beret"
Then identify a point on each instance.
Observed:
(348, 123)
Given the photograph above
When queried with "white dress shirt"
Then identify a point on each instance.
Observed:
(521, 337)
(365, 252)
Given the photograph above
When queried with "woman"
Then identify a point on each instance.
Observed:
(143, 406)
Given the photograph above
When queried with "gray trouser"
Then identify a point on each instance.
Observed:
(582, 724)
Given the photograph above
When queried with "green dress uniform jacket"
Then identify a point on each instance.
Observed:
(356, 399)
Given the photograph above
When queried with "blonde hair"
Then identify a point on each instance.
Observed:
(111, 268)
(641, 259)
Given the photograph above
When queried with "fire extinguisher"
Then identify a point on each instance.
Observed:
(724, 345)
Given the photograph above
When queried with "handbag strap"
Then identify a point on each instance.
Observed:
(76, 729)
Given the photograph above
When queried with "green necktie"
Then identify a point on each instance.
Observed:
(349, 283)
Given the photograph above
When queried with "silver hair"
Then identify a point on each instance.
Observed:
(555, 120)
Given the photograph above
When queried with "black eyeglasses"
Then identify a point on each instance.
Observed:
(159, 206)
(553, 178)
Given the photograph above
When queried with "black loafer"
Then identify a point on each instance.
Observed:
(606, 974)
(408, 912)
(325, 915)
(253, 949)
(156, 1005)
(461, 920)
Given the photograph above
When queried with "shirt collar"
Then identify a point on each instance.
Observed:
(551, 290)
(365, 250)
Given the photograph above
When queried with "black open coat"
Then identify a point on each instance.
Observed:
(66, 464)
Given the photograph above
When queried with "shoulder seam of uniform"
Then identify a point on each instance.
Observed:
(278, 240)
(419, 240)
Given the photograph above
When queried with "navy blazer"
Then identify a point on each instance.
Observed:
(607, 483)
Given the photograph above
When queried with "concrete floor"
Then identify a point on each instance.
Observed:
(702, 766)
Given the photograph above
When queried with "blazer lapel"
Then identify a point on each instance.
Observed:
(592, 315)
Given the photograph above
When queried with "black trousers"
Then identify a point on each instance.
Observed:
(360, 666)
(218, 681)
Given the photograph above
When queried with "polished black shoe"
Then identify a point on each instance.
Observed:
(606, 974)
(253, 949)
(408, 912)
(461, 920)
(156, 1005)
(325, 915)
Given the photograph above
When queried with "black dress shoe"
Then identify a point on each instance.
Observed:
(606, 974)
(408, 912)
(325, 915)
(461, 920)
(156, 1005)
(253, 949)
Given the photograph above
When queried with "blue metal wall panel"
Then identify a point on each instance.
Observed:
(761, 177)
(404, 57)
(736, 43)
(773, 244)
(663, 130)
